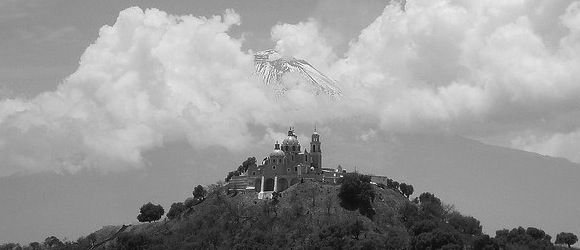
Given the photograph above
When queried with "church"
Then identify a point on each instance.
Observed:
(286, 165)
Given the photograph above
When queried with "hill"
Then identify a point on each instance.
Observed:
(356, 214)
(241, 221)
(502, 187)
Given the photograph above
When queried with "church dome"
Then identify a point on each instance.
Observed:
(290, 141)
(277, 153)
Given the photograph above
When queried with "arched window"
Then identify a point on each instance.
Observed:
(273, 167)
(293, 148)
(305, 157)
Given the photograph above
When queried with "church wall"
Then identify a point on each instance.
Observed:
(290, 167)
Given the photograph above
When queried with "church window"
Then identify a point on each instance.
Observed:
(292, 157)
(273, 167)
(305, 157)
(293, 148)
(313, 148)
(296, 169)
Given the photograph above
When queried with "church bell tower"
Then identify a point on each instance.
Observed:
(315, 151)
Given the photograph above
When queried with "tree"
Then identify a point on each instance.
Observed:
(484, 242)
(242, 168)
(199, 192)
(215, 189)
(35, 246)
(10, 246)
(52, 241)
(403, 188)
(431, 205)
(176, 209)
(465, 224)
(437, 239)
(190, 202)
(530, 238)
(409, 214)
(566, 238)
(395, 185)
(356, 192)
(409, 190)
(150, 212)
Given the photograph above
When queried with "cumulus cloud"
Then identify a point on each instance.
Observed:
(475, 68)
(479, 68)
(470, 67)
(148, 79)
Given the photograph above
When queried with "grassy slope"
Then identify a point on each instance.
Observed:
(303, 209)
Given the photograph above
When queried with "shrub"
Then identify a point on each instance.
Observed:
(150, 212)
(176, 209)
(566, 238)
(128, 241)
(199, 192)
(356, 192)
(465, 224)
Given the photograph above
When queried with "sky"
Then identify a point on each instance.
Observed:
(122, 88)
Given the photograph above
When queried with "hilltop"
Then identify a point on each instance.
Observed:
(356, 214)
(242, 221)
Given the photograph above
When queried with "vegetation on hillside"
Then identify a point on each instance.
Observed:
(566, 238)
(242, 168)
(310, 215)
(150, 212)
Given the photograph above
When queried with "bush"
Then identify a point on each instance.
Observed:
(150, 212)
(176, 209)
(465, 224)
(242, 168)
(431, 205)
(356, 192)
(128, 241)
(409, 214)
(530, 238)
(53, 241)
(199, 192)
(190, 202)
(566, 238)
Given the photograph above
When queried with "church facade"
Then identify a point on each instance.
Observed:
(286, 165)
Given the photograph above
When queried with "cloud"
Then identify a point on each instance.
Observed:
(565, 145)
(475, 68)
(149, 79)
(471, 67)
